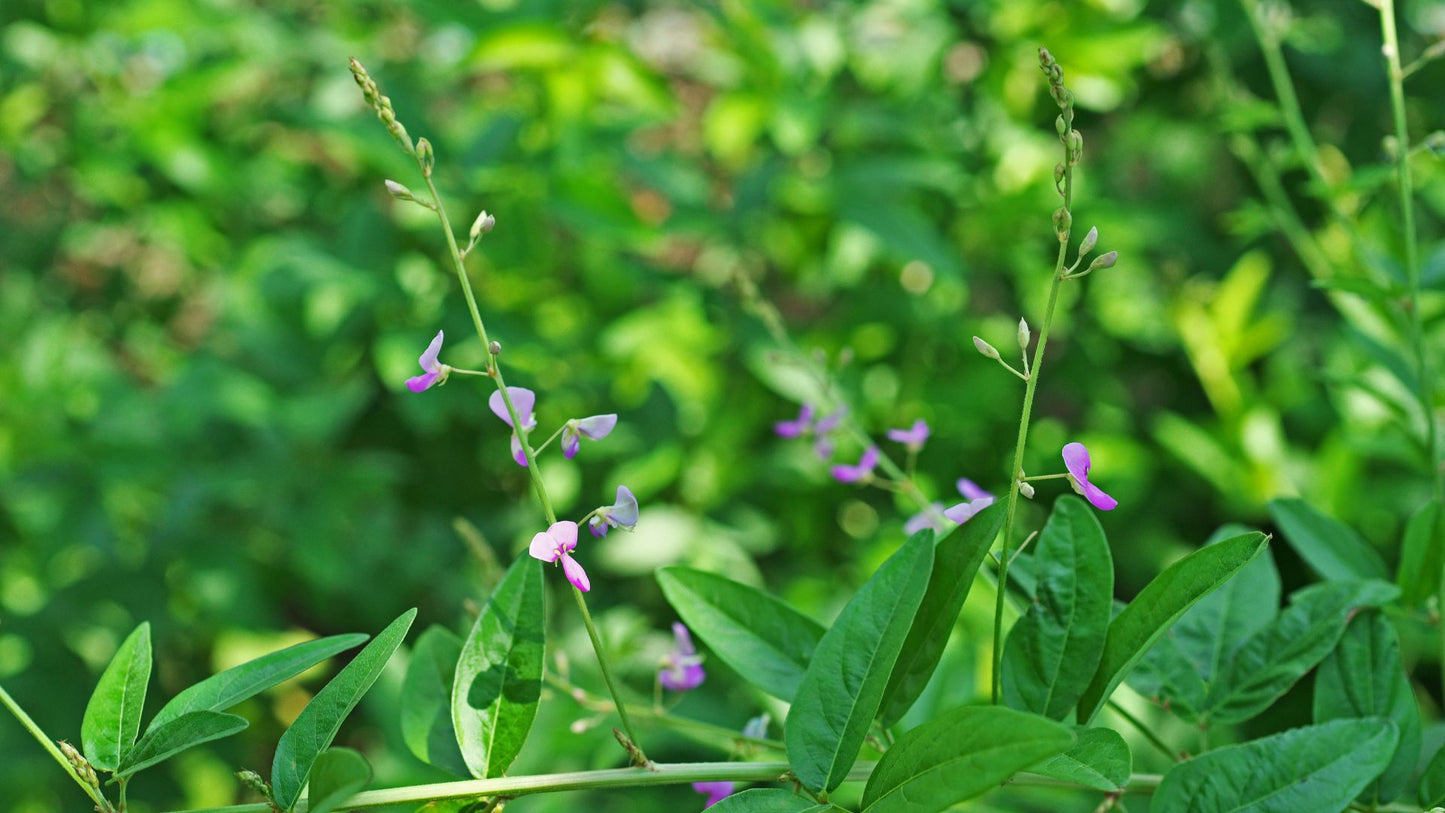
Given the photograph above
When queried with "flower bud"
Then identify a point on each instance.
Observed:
(495, 348)
(1023, 335)
(1435, 142)
(424, 155)
(1063, 221)
(1061, 126)
(1105, 260)
(984, 348)
(1089, 240)
(1027, 490)
(399, 191)
(482, 225)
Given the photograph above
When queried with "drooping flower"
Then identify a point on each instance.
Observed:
(621, 514)
(860, 471)
(798, 427)
(714, 791)
(975, 500)
(682, 667)
(596, 427)
(927, 518)
(436, 373)
(1076, 460)
(823, 432)
(558, 542)
(523, 400)
(913, 437)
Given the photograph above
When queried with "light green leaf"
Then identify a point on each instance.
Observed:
(224, 690)
(1320, 767)
(112, 717)
(426, 700)
(1333, 549)
(316, 726)
(1099, 759)
(165, 741)
(956, 559)
(764, 640)
(1421, 555)
(769, 800)
(1159, 605)
(1054, 649)
(959, 755)
(843, 687)
(338, 775)
(499, 675)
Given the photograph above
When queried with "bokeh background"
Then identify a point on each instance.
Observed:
(208, 305)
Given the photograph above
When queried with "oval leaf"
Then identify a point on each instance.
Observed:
(843, 687)
(1053, 650)
(1422, 556)
(1320, 767)
(956, 559)
(316, 726)
(763, 639)
(1099, 759)
(768, 800)
(337, 776)
(165, 741)
(960, 755)
(1159, 605)
(1331, 548)
(426, 700)
(499, 675)
(224, 690)
(112, 717)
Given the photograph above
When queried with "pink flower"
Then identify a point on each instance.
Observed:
(823, 432)
(976, 499)
(798, 427)
(523, 400)
(682, 667)
(621, 514)
(913, 437)
(1076, 460)
(436, 373)
(861, 471)
(596, 427)
(558, 542)
(714, 791)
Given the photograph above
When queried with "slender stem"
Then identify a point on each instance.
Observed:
(706, 732)
(606, 671)
(49, 745)
(1033, 477)
(1144, 729)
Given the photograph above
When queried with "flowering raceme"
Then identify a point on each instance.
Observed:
(558, 542)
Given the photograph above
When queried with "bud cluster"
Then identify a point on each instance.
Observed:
(81, 765)
(382, 105)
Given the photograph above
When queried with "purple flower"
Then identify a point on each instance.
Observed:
(976, 499)
(823, 431)
(863, 470)
(621, 514)
(596, 427)
(435, 373)
(714, 791)
(523, 400)
(558, 542)
(1076, 460)
(927, 518)
(682, 667)
(796, 428)
(913, 437)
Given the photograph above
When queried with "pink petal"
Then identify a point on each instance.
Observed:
(869, 461)
(624, 511)
(970, 490)
(565, 532)
(570, 443)
(574, 572)
(517, 453)
(423, 382)
(682, 677)
(597, 427)
(682, 639)
(522, 398)
(714, 791)
(544, 547)
(1098, 498)
(1076, 460)
(428, 360)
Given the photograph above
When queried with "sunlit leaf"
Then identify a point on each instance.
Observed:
(112, 717)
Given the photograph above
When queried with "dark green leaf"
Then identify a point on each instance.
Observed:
(1054, 649)
(426, 700)
(1333, 549)
(499, 675)
(1099, 759)
(763, 639)
(316, 726)
(1432, 782)
(1159, 605)
(1320, 767)
(843, 687)
(769, 800)
(222, 691)
(1422, 556)
(112, 717)
(956, 559)
(162, 742)
(1363, 677)
(337, 776)
(959, 755)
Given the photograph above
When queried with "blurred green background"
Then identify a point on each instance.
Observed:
(208, 305)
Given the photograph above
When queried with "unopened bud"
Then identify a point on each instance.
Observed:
(1435, 142)
(1105, 260)
(424, 155)
(399, 191)
(1023, 335)
(984, 348)
(482, 225)
(1061, 126)
(1027, 490)
(1063, 221)
(495, 348)
(1089, 240)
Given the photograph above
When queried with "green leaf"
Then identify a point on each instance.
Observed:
(764, 640)
(1363, 677)
(339, 773)
(769, 800)
(224, 690)
(316, 726)
(1276, 657)
(171, 738)
(499, 675)
(1332, 549)
(956, 559)
(1319, 767)
(426, 700)
(112, 717)
(1422, 556)
(843, 687)
(1432, 782)
(1053, 650)
(1159, 605)
(959, 755)
(1099, 759)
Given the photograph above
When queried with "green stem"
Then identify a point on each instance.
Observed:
(606, 671)
(1144, 729)
(49, 745)
(704, 732)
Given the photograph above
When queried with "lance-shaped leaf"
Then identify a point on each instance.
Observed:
(1422, 556)
(176, 735)
(1277, 656)
(1363, 677)
(1099, 759)
(499, 676)
(225, 689)
(1319, 767)
(1160, 604)
(426, 700)
(956, 559)
(112, 717)
(843, 687)
(316, 726)
(1054, 649)
(764, 640)
(337, 776)
(1332, 548)
(769, 800)
(959, 755)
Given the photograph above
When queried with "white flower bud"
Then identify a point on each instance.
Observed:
(1105, 260)
(1089, 240)
(984, 348)
(1023, 335)
(1027, 489)
(398, 191)
(482, 225)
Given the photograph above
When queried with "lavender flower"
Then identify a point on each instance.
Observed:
(596, 427)
(927, 518)
(975, 500)
(798, 427)
(913, 437)
(524, 400)
(682, 667)
(714, 791)
(621, 514)
(436, 373)
(823, 432)
(558, 542)
(861, 471)
(1076, 460)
